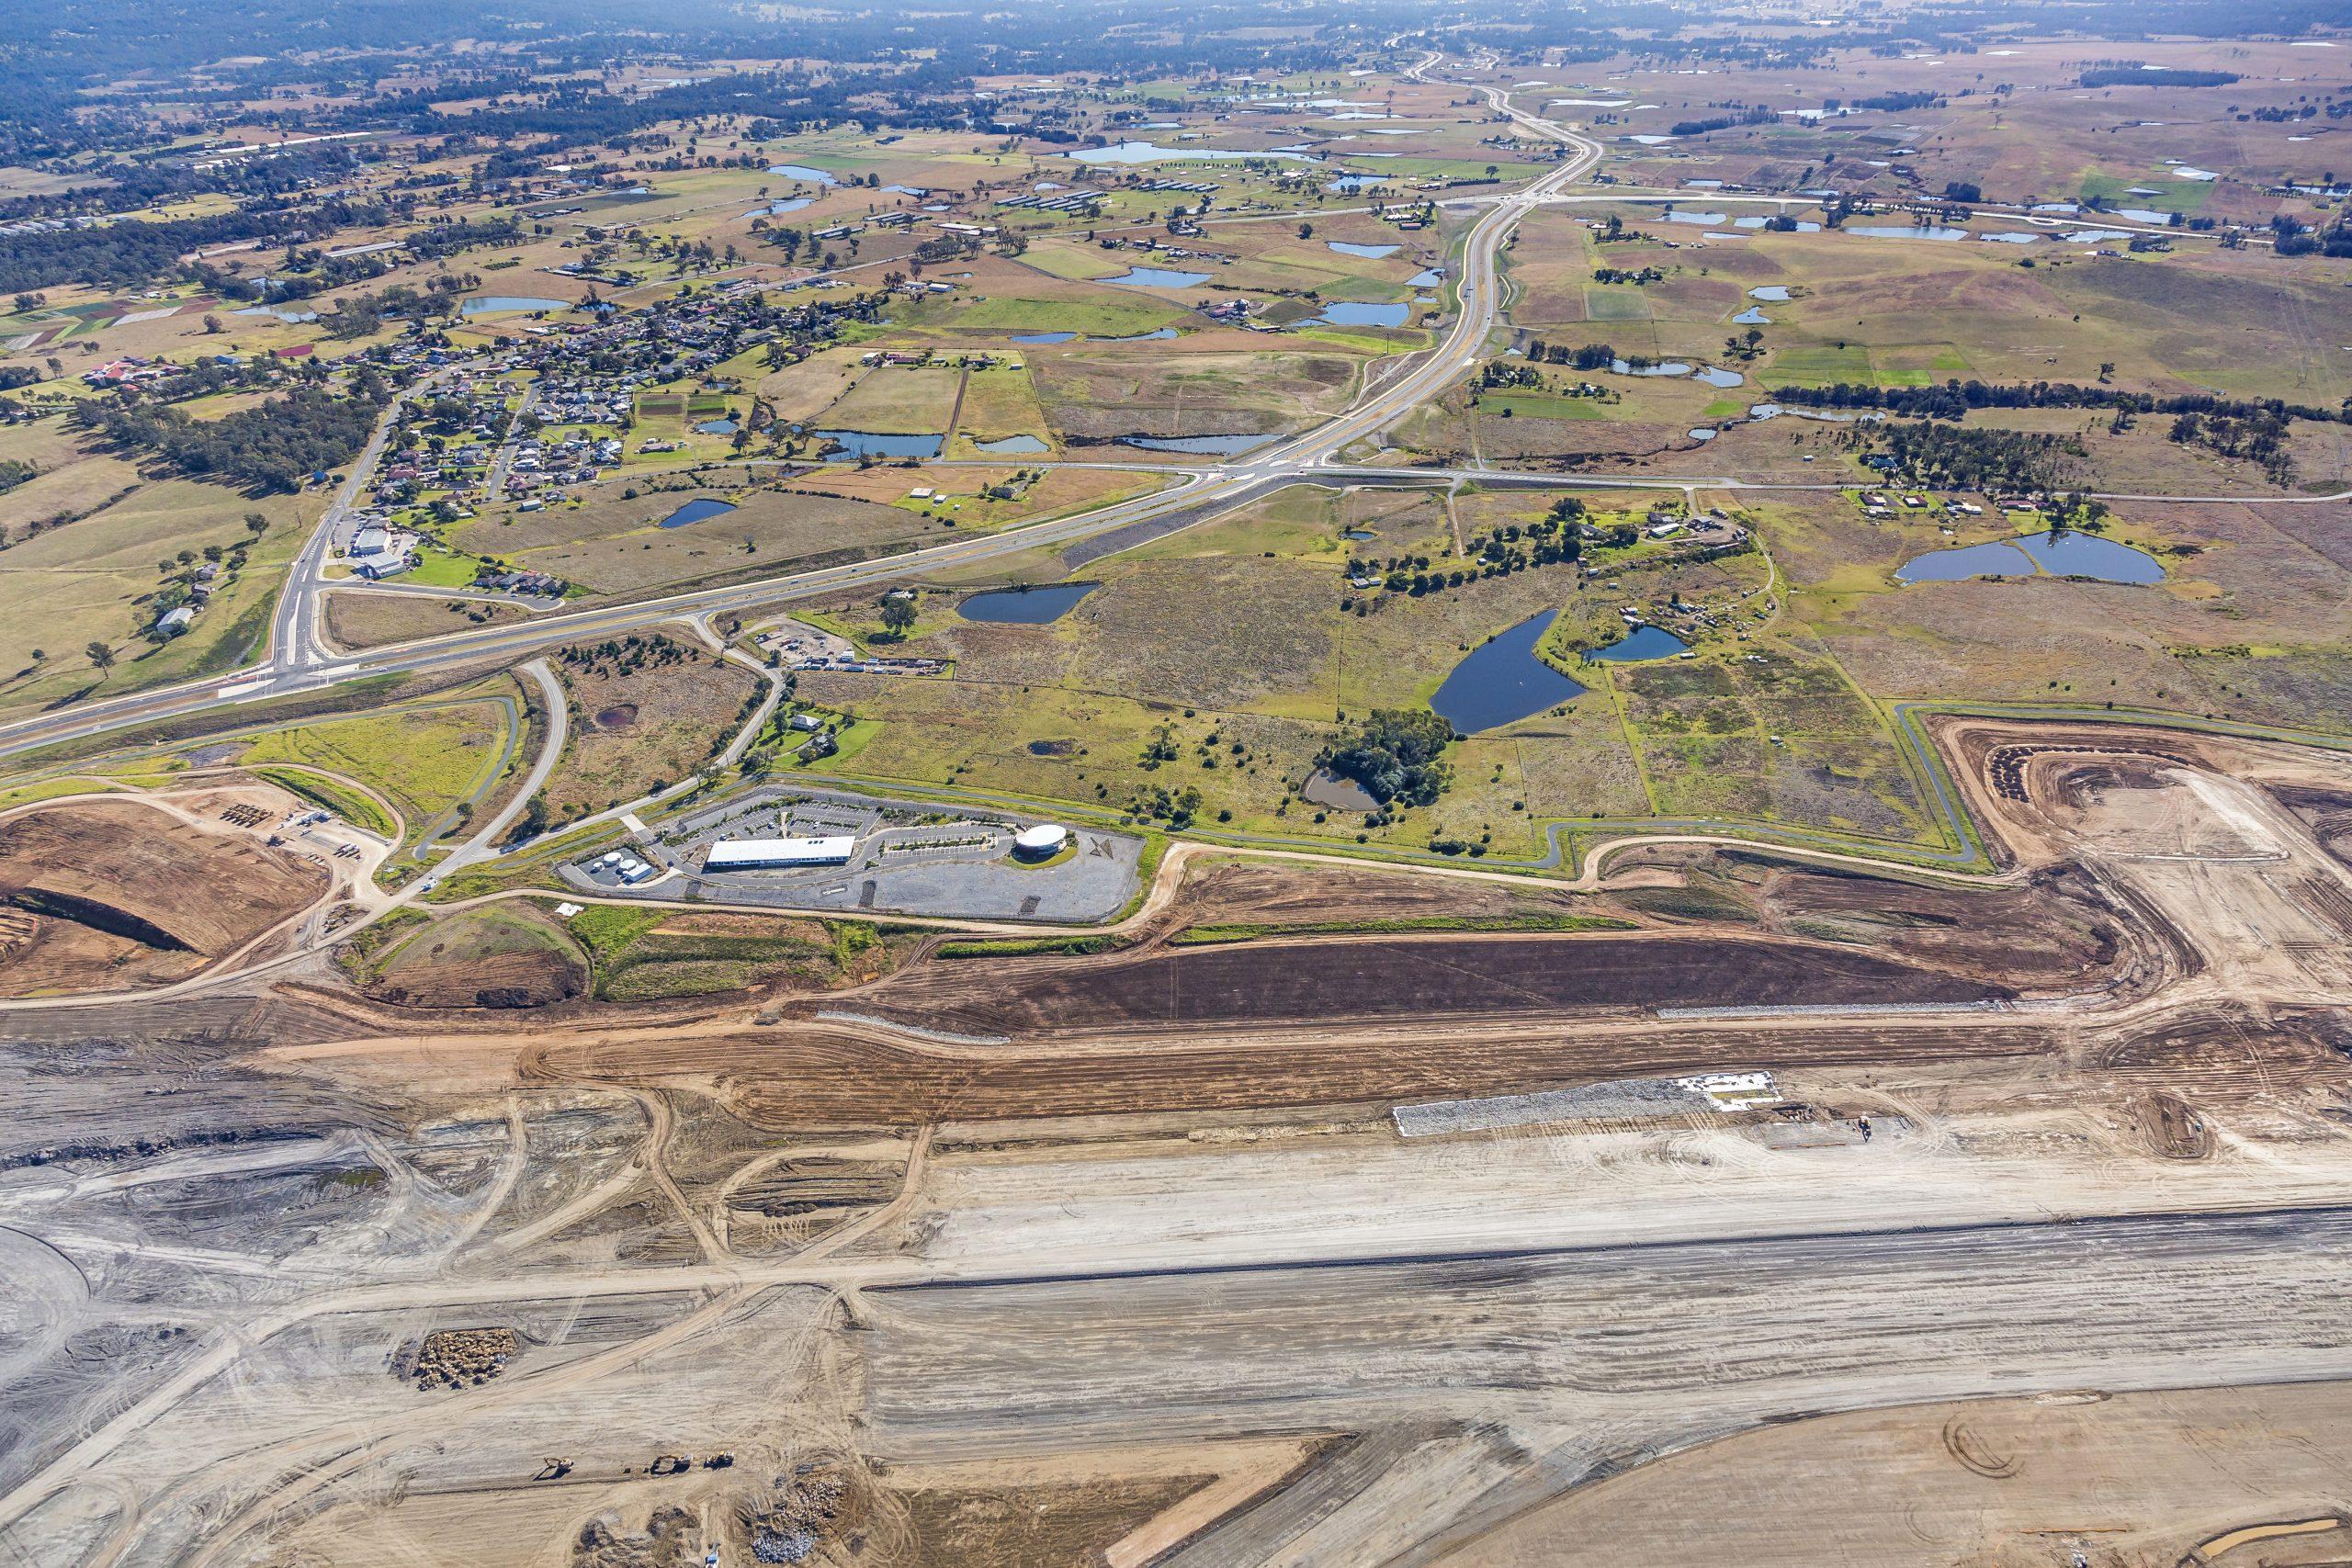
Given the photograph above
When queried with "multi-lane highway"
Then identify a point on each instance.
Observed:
(300, 658)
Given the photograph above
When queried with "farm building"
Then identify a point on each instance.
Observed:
(755, 854)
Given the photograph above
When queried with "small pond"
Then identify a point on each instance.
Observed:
(1671, 367)
(1325, 787)
(803, 173)
(1157, 334)
(1757, 220)
(1355, 314)
(698, 512)
(1199, 445)
(1427, 278)
(1638, 644)
(778, 209)
(1359, 534)
(1044, 337)
(283, 312)
(2066, 555)
(1011, 447)
(1159, 278)
(1702, 433)
(1502, 681)
(717, 426)
(1369, 252)
(867, 443)
(1711, 220)
(1031, 605)
(1715, 378)
(1771, 293)
(1753, 316)
(2010, 237)
(483, 304)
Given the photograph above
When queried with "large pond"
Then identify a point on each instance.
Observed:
(1044, 337)
(1369, 252)
(1640, 643)
(1502, 681)
(1159, 278)
(1753, 316)
(1031, 605)
(778, 209)
(1907, 231)
(873, 443)
(803, 173)
(698, 512)
(1771, 293)
(1198, 445)
(1355, 314)
(485, 304)
(1011, 447)
(715, 426)
(1150, 152)
(1757, 220)
(2064, 555)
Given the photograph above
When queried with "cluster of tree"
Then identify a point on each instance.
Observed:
(1943, 457)
(129, 253)
(1953, 399)
(1580, 357)
(1397, 755)
(1509, 549)
(273, 447)
(616, 657)
(2259, 436)
(1760, 115)
(2291, 238)
(2133, 73)
(13, 472)
(1636, 277)
(1893, 102)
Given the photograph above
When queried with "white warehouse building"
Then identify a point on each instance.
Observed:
(756, 854)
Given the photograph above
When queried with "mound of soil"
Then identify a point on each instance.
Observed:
(110, 885)
(527, 978)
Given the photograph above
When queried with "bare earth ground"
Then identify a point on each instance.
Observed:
(1123, 1258)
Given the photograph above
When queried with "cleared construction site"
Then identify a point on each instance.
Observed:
(1246, 1237)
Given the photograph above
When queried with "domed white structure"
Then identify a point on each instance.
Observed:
(1041, 842)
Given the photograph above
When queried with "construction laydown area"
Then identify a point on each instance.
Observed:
(1315, 1213)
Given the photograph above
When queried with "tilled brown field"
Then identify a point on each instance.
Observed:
(1389, 978)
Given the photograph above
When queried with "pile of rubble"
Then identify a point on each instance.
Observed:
(453, 1358)
(805, 1503)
